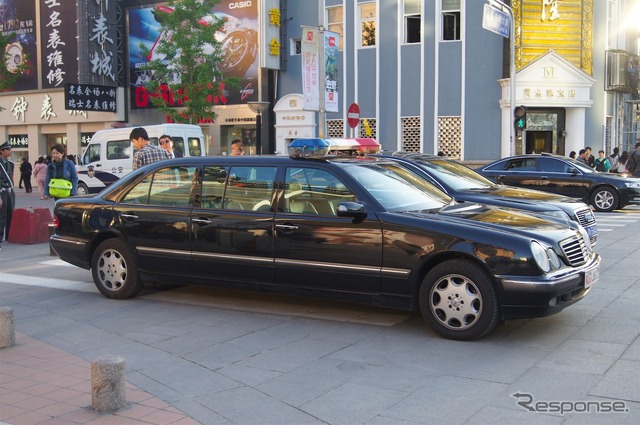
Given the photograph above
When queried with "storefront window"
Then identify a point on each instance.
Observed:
(246, 133)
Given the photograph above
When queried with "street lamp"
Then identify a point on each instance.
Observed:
(258, 107)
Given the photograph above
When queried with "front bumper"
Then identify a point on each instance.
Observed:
(630, 195)
(539, 296)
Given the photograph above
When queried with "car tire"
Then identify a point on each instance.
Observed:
(459, 301)
(605, 199)
(82, 189)
(114, 270)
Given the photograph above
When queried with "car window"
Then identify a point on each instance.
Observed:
(213, 181)
(313, 191)
(92, 153)
(194, 146)
(178, 144)
(553, 165)
(171, 186)
(521, 164)
(249, 188)
(118, 149)
(398, 188)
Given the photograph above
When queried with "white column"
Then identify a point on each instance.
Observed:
(574, 140)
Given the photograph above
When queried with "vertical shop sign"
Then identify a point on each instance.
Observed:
(18, 17)
(331, 43)
(99, 48)
(310, 68)
(59, 43)
(270, 21)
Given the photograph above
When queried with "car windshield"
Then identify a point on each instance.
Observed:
(580, 165)
(397, 188)
(454, 175)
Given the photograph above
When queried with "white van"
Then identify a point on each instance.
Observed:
(109, 155)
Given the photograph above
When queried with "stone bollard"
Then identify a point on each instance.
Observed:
(7, 329)
(107, 383)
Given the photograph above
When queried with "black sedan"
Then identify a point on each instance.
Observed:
(566, 176)
(360, 229)
(466, 185)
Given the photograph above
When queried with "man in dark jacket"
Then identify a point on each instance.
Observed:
(7, 195)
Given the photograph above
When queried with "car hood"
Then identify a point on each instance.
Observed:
(515, 195)
(500, 219)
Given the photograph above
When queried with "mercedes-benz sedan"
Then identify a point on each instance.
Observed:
(360, 229)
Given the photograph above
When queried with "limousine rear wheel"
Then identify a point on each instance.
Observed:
(114, 270)
(458, 300)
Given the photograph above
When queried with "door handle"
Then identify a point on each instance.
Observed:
(201, 221)
(286, 227)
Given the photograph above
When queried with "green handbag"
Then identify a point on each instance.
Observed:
(60, 188)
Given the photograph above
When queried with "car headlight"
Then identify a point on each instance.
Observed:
(547, 259)
(557, 213)
(553, 258)
(632, 184)
(540, 255)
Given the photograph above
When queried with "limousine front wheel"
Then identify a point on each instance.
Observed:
(114, 270)
(458, 300)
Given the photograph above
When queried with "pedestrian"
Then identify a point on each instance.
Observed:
(237, 147)
(63, 169)
(7, 195)
(601, 163)
(40, 173)
(25, 174)
(572, 154)
(622, 163)
(614, 158)
(589, 159)
(147, 153)
(633, 164)
(166, 142)
(581, 157)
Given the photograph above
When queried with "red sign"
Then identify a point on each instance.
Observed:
(353, 115)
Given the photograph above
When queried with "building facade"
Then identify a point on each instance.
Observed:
(426, 74)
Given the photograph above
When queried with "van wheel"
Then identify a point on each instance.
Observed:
(82, 189)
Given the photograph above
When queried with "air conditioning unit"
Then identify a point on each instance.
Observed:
(616, 79)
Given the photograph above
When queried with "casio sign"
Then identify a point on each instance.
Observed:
(240, 4)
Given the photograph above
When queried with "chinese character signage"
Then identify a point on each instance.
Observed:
(18, 17)
(310, 68)
(58, 34)
(87, 97)
(270, 19)
(239, 39)
(98, 51)
(19, 140)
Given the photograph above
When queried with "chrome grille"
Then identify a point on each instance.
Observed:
(575, 251)
(586, 218)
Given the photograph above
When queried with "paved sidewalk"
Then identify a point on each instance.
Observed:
(42, 384)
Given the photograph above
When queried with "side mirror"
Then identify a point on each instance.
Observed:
(351, 209)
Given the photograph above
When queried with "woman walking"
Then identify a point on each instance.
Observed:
(60, 169)
(40, 173)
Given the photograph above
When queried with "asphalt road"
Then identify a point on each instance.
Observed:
(229, 357)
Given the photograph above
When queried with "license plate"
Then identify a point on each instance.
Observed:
(592, 231)
(591, 276)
